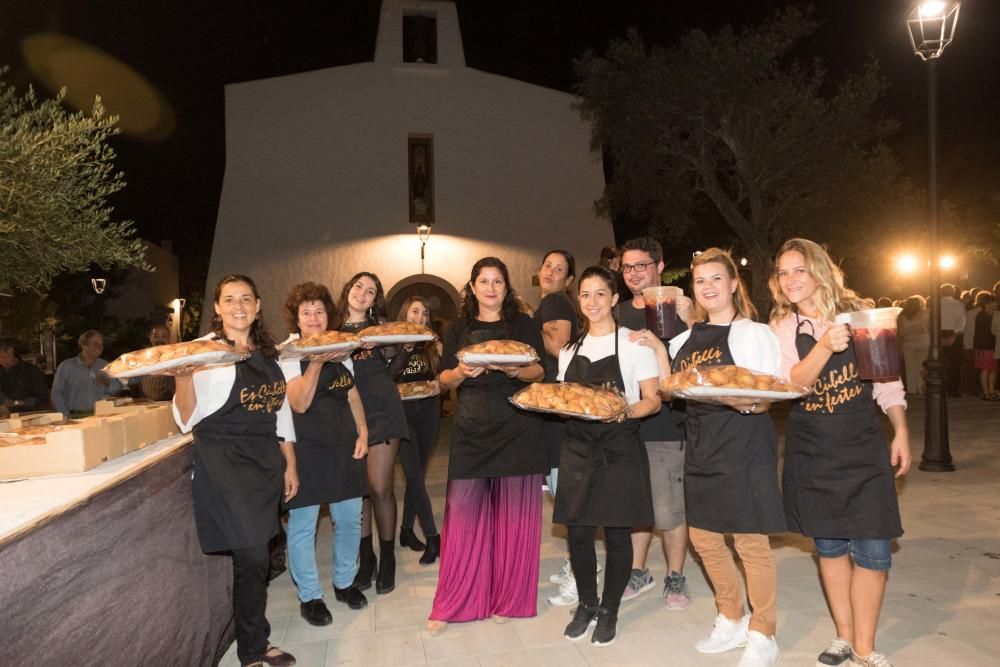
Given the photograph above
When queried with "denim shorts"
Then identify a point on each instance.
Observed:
(869, 554)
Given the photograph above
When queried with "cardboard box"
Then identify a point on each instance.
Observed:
(151, 422)
(117, 433)
(71, 448)
(11, 424)
(40, 418)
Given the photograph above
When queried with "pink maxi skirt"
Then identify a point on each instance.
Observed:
(490, 548)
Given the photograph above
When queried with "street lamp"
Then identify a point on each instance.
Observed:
(932, 27)
(423, 233)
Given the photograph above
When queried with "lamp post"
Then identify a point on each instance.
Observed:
(932, 27)
(423, 233)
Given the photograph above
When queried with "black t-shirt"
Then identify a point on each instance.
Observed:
(521, 328)
(667, 425)
(25, 383)
(983, 338)
(556, 306)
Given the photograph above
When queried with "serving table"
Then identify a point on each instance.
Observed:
(104, 567)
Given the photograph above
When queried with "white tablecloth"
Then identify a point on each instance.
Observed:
(24, 502)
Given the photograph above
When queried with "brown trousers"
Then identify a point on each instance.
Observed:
(762, 576)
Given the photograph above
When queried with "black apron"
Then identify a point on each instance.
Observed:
(490, 437)
(324, 445)
(731, 460)
(838, 480)
(238, 467)
(419, 410)
(603, 468)
(383, 408)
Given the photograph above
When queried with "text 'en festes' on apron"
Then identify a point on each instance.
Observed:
(838, 480)
(238, 466)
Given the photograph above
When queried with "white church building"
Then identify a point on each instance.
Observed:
(333, 171)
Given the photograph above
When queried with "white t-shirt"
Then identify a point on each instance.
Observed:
(637, 362)
(292, 368)
(212, 387)
(752, 344)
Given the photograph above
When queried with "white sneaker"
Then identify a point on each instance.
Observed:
(726, 635)
(567, 594)
(566, 571)
(761, 651)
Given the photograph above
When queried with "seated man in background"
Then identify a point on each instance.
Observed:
(22, 385)
(80, 381)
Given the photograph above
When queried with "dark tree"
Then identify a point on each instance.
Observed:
(731, 127)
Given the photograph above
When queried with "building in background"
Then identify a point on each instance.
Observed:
(330, 172)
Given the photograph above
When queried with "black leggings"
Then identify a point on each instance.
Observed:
(381, 462)
(617, 569)
(250, 568)
(423, 417)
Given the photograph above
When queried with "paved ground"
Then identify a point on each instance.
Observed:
(942, 606)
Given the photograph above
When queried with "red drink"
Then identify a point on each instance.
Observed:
(661, 309)
(660, 318)
(878, 357)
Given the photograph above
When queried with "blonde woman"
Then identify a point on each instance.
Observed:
(731, 461)
(838, 475)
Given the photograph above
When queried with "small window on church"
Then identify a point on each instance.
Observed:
(420, 38)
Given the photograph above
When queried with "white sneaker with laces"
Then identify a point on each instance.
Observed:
(567, 571)
(875, 659)
(761, 651)
(726, 635)
(567, 594)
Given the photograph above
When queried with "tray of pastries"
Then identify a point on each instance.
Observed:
(727, 385)
(331, 341)
(498, 353)
(392, 333)
(571, 399)
(412, 391)
(155, 360)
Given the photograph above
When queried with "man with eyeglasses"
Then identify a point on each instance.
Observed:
(663, 435)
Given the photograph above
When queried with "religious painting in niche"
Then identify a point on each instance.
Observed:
(421, 172)
(419, 39)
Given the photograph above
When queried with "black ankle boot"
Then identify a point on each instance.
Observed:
(432, 551)
(366, 564)
(407, 538)
(385, 582)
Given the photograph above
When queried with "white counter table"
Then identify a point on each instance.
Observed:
(104, 567)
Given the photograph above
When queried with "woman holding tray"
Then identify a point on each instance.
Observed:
(422, 417)
(244, 461)
(603, 469)
(731, 461)
(332, 443)
(362, 304)
(838, 479)
(491, 537)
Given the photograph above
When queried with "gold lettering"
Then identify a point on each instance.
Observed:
(707, 357)
(837, 388)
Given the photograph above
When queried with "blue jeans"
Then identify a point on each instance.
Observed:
(553, 479)
(869, 554)
(346, 517)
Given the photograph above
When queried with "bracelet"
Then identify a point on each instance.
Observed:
(751, 411)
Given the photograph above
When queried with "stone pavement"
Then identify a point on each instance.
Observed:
(942, 604)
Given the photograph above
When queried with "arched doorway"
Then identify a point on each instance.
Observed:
(440, 294)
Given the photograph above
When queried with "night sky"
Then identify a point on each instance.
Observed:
(188, 51)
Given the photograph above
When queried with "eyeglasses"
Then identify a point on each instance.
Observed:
(641, 266)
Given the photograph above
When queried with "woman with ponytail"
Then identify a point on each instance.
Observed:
(603, 469)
